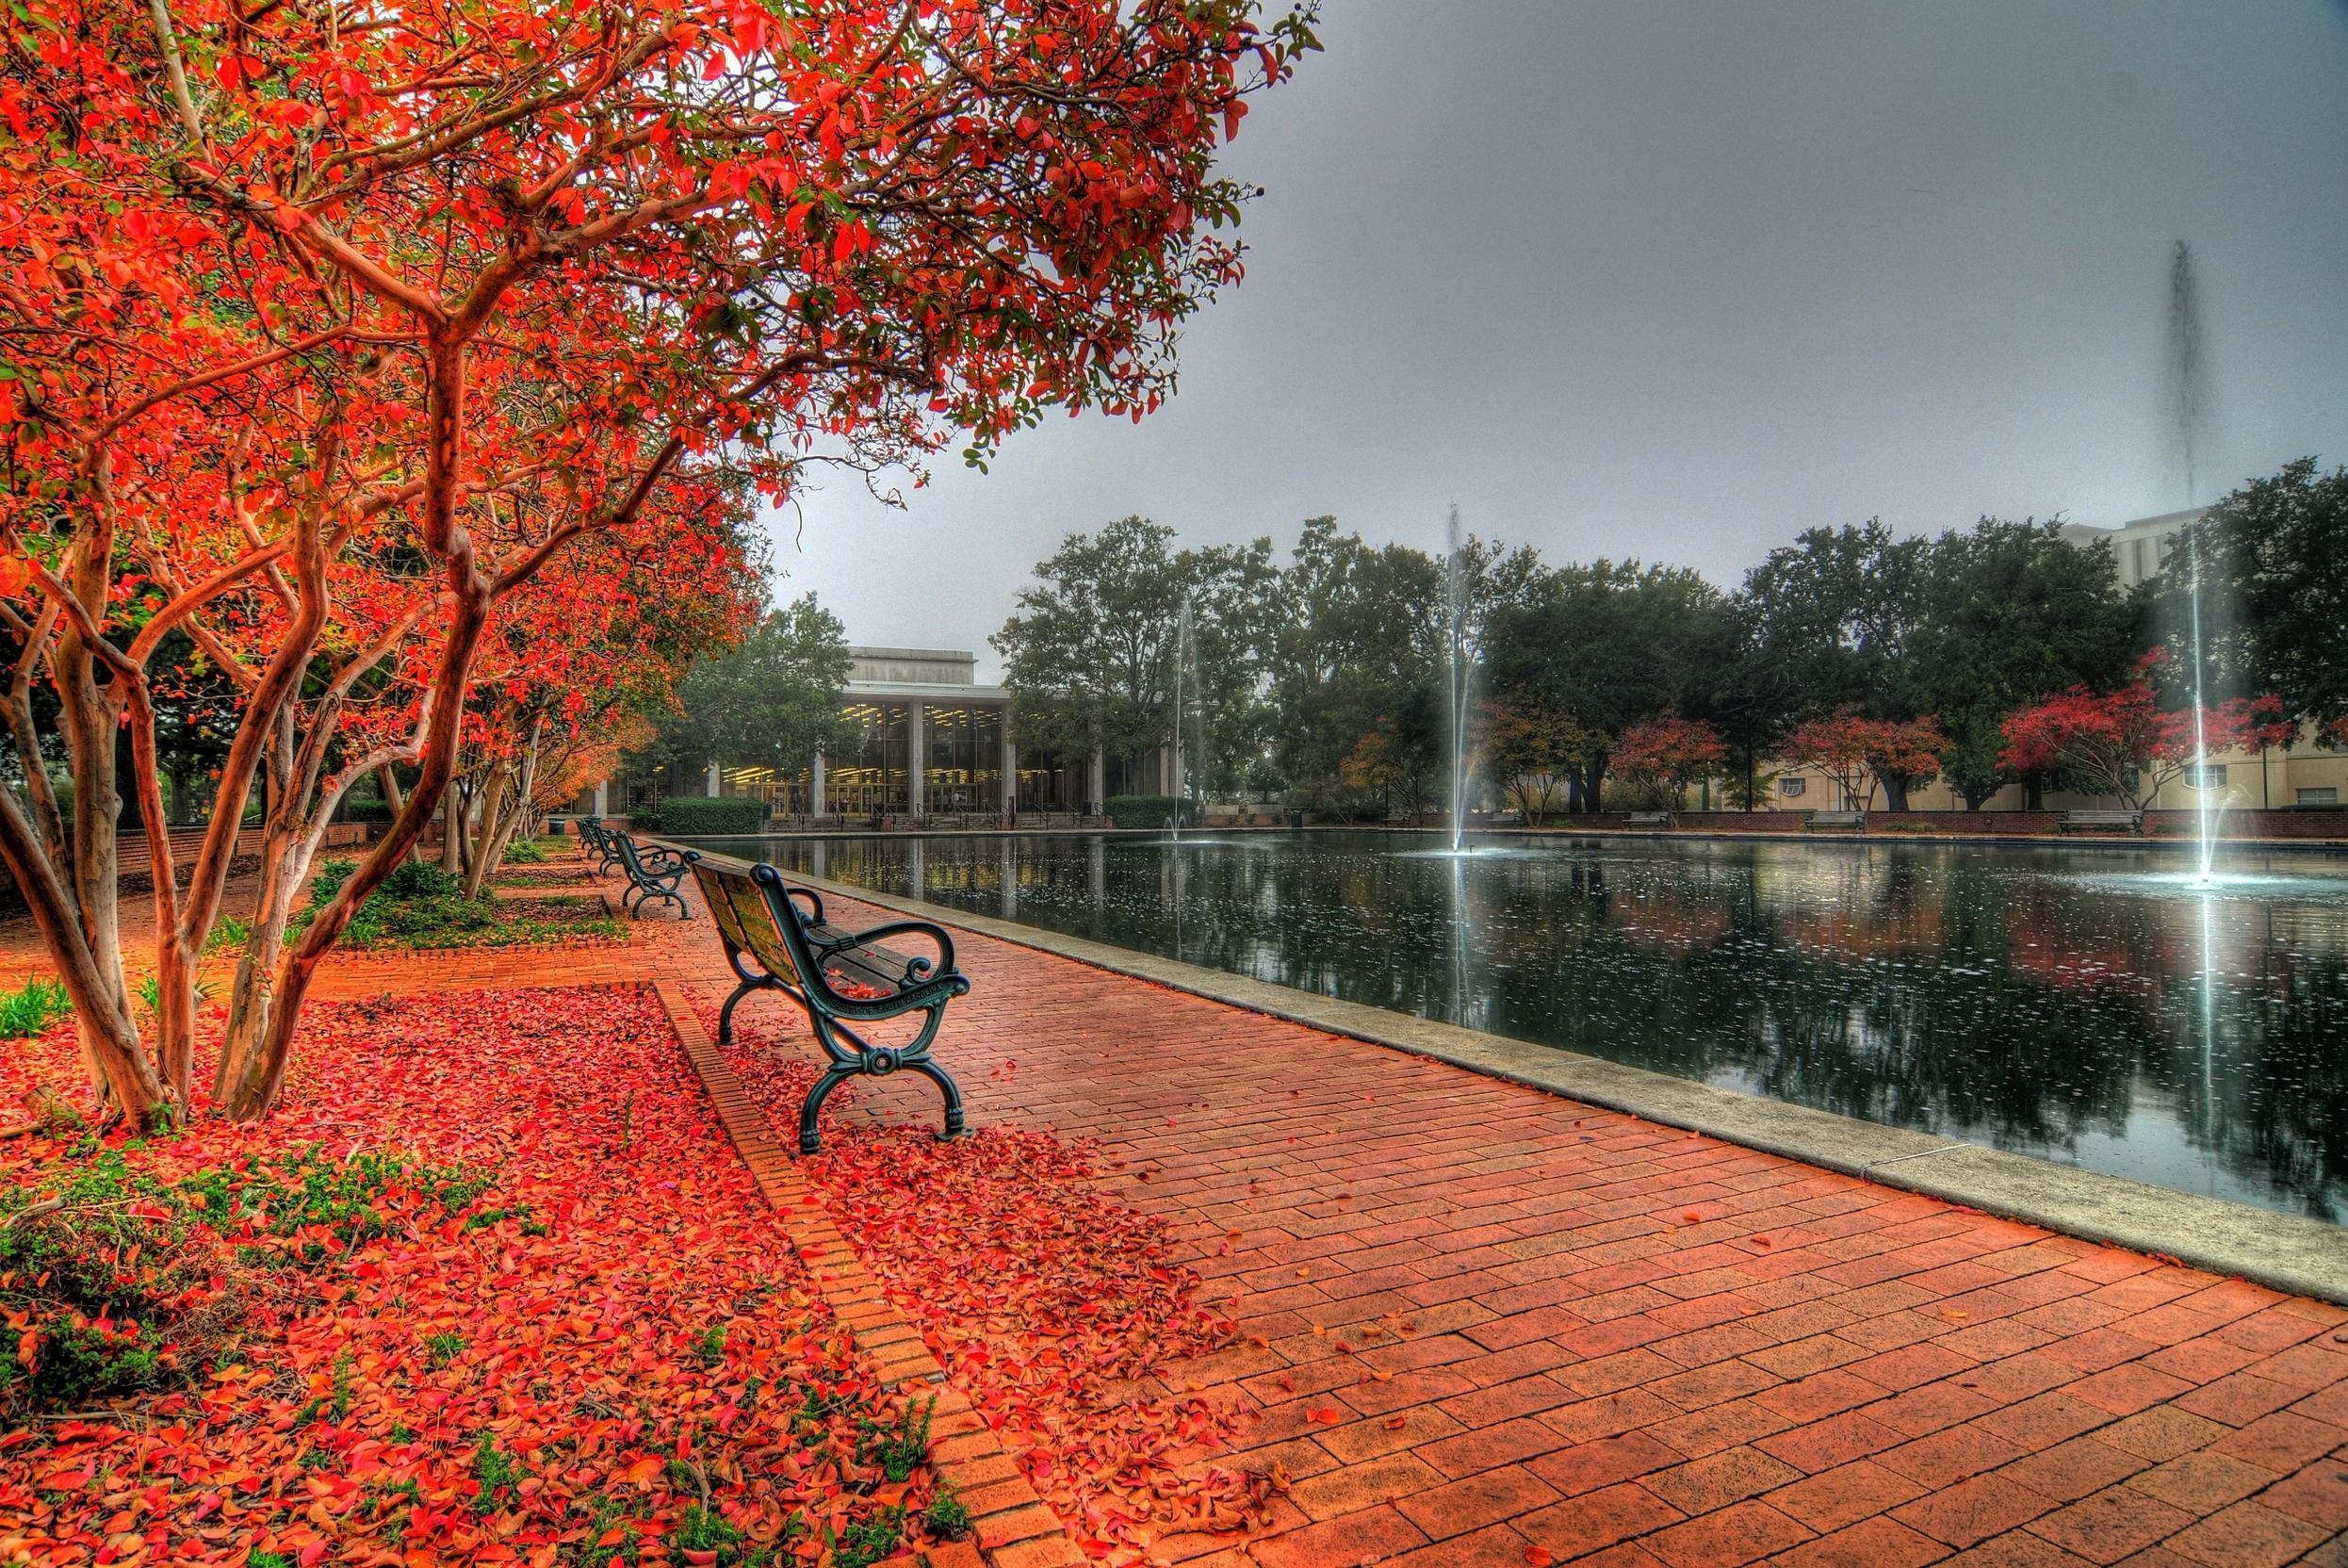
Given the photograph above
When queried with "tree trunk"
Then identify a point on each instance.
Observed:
(453, 831)
(482, 825)
(1895, 793)
(260, 1073)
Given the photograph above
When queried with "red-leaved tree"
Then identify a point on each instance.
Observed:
(2126, 744)
(1860, 753)
(1668, 755)
(327, 328)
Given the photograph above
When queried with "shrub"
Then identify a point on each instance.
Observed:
(1332, 800)
(691, 815)
(30, 1011)
(414, 878)
(375, 812)
(525, 852)
(1151, 810)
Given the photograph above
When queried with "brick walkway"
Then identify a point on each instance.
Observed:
(1487, 1326)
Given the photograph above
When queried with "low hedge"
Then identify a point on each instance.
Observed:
(1151, 810)
(689, 816)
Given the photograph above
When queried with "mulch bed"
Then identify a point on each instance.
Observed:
(555, 1319)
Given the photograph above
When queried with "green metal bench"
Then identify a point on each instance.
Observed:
(840, 978)
(595, 840)
(653, 875)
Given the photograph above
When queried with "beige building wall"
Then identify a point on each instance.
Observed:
(2308, 773)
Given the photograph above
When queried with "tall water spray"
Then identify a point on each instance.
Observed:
(1457, 671)
(1185, 658)
(2189, 388)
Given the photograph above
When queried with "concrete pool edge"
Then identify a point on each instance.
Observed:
(2307, 1257)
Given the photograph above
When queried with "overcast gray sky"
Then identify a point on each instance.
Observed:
(1674, 280)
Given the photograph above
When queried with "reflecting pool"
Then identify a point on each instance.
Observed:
(2086, 1004)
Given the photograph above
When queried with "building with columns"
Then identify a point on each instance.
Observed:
(933, 741)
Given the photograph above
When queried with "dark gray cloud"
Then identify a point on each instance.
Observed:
(1674, 280)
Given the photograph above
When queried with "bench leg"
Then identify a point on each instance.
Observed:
(810, 1142)
(947, 1088)
(726, 1014)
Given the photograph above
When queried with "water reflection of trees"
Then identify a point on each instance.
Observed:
(1979, 995)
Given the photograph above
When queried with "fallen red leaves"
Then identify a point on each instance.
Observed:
(1057, 1309)
(550, 1370)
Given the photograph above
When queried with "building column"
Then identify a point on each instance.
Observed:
(1095, 789)
(708, 782)
(815, 784)
(1008, 796)
(916, 756)
(603, 799)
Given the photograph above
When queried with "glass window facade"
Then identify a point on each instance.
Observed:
(962, 759)
(871, 779)
(1051, 781)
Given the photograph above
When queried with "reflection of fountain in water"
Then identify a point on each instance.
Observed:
(1462, 1006)
(2209, 1035)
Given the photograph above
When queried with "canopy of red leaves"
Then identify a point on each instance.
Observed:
(1669, 749)
(1052, 1304)
(2126, 743)
(1848, 746)
(618, 1315)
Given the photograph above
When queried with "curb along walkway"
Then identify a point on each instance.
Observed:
(1486, 1327)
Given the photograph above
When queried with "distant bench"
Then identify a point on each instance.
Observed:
(1648, 819)
(2102, 821)
(1819, 822)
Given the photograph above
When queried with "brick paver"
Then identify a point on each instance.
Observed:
(1485, 1325)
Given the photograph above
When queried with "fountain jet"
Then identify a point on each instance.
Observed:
(2189, 385)
(1456, 677)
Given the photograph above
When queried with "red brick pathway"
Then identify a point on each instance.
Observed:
(1490, 1326)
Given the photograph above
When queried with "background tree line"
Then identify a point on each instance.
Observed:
(1605, 682)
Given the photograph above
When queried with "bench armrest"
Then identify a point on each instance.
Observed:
(815, 903)
(944, 964)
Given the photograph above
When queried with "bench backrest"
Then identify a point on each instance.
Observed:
(2103, 816)
(756, 913)
(1837, 819)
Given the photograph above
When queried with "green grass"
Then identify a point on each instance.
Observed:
(30, 1010)
(947, 1518)
(422, 907)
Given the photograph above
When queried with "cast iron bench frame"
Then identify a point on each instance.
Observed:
(1855, 821)
(1648, 819)
(653, 873)
(595, 840)
(759, 918)
(2132, 821)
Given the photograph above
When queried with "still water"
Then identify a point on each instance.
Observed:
(2083, 1004)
